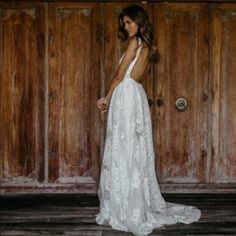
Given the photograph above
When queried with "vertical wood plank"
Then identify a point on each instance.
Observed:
(74, 86)
(181, 137)
(223, 73)
(22, 92)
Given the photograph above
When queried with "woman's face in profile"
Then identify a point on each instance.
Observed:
(130, 26)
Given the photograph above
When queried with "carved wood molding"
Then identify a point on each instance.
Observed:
(8, 12)
(61, 12)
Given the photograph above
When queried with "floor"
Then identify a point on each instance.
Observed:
(73, 214)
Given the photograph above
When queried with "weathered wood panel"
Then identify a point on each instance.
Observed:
(22, 86)
(181, 137)
(223, 164)
(83, 54)
(74, 85)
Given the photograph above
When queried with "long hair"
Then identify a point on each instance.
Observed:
(145, 30)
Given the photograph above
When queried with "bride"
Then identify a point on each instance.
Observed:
(130, 198)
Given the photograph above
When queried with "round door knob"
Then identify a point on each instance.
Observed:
(181, 104)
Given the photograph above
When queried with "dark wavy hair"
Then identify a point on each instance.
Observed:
(145, 30)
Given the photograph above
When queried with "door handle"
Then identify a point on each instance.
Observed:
(181, 104)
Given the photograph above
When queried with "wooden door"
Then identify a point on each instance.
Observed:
(22, 92)
(57, 59)
(223, 88)
(181, 135)
(74, 87)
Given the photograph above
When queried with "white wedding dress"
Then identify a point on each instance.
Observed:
(130, 198)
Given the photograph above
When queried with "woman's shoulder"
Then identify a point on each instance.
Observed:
(137, 42)
(133, 43)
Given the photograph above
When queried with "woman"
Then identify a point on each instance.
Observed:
(130, 199)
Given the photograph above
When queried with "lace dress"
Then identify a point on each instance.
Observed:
(130, 198)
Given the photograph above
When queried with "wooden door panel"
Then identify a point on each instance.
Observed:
(74, 85)
(197, 44)
(223, 163)
(182, 32)
(22, 86)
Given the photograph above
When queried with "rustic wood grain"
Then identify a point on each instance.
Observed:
(73, 90)
(194, 149)
(223, 87)
(182, 32)
(22, 86)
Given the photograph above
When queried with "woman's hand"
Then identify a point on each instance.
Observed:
(103, 104)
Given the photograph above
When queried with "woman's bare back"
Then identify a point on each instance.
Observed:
(141, 66)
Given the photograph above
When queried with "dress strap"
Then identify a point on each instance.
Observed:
(122, 58)
(138, 50)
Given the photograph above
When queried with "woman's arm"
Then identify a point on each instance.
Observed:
(120, 73)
